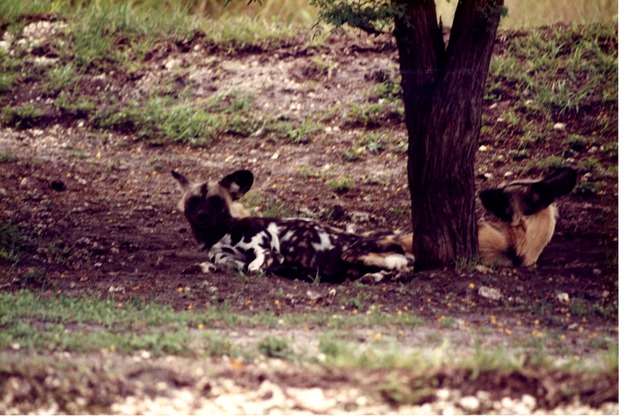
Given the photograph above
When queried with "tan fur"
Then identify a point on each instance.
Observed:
(527, 238)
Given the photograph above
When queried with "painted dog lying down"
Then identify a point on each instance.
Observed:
(525, 211)
(290, 247)
(525, 216)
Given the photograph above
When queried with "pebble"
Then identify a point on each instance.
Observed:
(490, 293)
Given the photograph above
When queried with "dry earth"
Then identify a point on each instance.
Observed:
(96, 210)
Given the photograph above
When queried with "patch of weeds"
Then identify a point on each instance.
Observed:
(412, 392)
(272, 346)
(180, 122)
(447, 322)
(58, 78)
(356, 302)
(126, 118)
(545, 164)
(375, 142)
(34, 277)
(353, 154)
(590, 164)
(7, 81)
(238, 33)
(612, 150)
(305, 132)
(24, 116)
(307, 172)
(80, 106)
(518, 155)
(59, 252)
(588, 188)
(241, 125)
(10, 241)
(342, 184)
(366, 115)
(325, 66)
(215, 345)
(576, 142)
(7, 157)
(388, 90)
(466, 264)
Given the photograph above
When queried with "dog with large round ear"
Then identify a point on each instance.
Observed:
(209, 206)
(525, 198)
(527, 218)
(238, 183)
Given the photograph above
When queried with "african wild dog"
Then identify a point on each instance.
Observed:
(290, 247)
(527, 218)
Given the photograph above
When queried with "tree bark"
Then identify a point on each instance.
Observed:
(442, 92)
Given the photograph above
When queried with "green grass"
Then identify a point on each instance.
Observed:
(41, 325)
(89, 324)
(10, 239)
(341, 184)
(7, 157)
(23, 116)
(561, 71)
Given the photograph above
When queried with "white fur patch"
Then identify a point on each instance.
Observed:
(396, 261)
(325, 242)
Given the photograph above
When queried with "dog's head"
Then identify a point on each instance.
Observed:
(518, 199)
(210, 207)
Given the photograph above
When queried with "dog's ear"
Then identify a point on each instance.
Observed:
(497, 202)
(181, 180)
(539, 196)
(561, 181)
(238, 183)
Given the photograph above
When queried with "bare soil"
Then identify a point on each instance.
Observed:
(96, 210)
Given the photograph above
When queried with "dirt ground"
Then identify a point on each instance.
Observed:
(96, 210)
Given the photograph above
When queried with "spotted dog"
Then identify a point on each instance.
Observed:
(525, 219)
(290, 247)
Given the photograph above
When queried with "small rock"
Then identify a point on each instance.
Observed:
(483, 269)
(313, 295)
(563, 297)
(115, 289)
(359, 216)
(173, 63)
(559, 126)
(470, 404)
(490, 293)
(312, 399)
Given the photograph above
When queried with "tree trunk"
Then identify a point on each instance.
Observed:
(442, 92)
